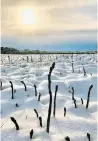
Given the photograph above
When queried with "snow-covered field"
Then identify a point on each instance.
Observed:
(33, 70)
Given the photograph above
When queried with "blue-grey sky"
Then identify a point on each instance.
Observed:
(49, 25)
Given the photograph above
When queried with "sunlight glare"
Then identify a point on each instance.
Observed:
(27, 17)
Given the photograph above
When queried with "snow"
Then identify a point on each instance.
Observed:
(77, 122)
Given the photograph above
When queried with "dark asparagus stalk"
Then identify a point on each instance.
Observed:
(72, 93)
(1, 85)
(35, 90)
(72, 67)
(39, 97)
(54, 110)
(88, 136)
(31, 134)
(40, 120)
(67, 138)
(88, 97)
(36, 112)
(15, 122)
(84, 70)
(50, 93)
(82, 100)
(12, 89)
(75, 103)
(64, 111)
(24, 85)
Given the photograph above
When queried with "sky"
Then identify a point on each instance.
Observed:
(53, 25)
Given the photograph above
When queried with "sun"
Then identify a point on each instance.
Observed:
(27, 16)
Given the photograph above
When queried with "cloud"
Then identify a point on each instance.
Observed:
(57, 22)
(50, 15)
(48, 2)
(54, 37)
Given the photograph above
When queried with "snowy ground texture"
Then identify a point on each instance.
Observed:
(34, 69)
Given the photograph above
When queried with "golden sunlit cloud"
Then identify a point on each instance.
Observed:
(27, 16)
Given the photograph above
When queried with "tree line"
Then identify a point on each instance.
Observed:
(11, 50)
